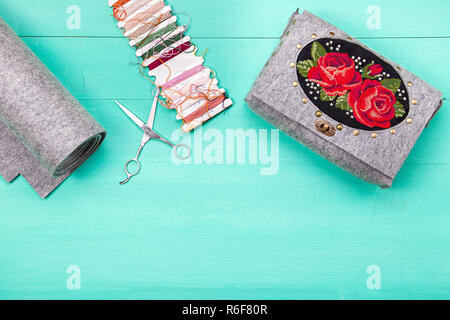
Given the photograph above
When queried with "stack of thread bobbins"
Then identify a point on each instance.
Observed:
(186, 85)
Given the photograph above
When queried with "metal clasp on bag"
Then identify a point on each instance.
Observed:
(325, 127)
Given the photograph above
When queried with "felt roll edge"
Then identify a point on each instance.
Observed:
(45, 176)
(79, 155)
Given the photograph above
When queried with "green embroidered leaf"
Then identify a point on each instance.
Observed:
(317, 51)
(391, 84)
(325, 97)
(365, 73)
(304, 66)
(399, 110)
(341, 103)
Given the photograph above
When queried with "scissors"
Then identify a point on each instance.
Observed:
(149, 134)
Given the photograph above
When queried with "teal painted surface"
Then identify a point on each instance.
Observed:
(226, 231)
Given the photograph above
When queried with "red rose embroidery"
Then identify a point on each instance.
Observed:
(336, 73)
(374, 70)
(372, 104)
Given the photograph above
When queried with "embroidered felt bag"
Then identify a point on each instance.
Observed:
(343, 100)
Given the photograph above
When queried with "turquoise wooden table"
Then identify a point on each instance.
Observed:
(284, 225)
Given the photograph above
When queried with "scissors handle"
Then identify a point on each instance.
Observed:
(136, 161)
(177, 148)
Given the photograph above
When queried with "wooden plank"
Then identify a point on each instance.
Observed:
(232, 18)
(94, 77)
(179, 239)
(221, 231)
(90, 67)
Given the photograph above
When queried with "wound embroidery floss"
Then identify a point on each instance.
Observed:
(185, 84)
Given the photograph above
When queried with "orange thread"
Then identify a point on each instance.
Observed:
(119, 11)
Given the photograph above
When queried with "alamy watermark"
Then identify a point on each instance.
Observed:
(374, 279)
(234, 146)
(73, 282)
(74, 19)
(374, 20)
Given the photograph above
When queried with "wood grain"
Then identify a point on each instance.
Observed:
(226, 231)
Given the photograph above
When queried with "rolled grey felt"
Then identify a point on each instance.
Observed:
(45, 133)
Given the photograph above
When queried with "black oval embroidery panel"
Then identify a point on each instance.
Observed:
(352, 85)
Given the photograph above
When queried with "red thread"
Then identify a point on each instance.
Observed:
(119, 11)
(170, 55)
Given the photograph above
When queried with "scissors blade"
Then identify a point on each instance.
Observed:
(131, 115)
(151, 117)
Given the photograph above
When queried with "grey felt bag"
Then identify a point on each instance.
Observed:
(343, 100)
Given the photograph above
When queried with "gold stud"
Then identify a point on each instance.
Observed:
(410, 84)
(349, 38)
(399, 68)
(314, 36)
(414, 102)
(295, 84)
(374, 135)
(339, 127)
(332, 33)
(292, 64)
(356, 133)
(299, 46)
(305, 101)
(318, 114)
(393, 131)
(409, 120)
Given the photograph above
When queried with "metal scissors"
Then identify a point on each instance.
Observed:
(149, 134)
